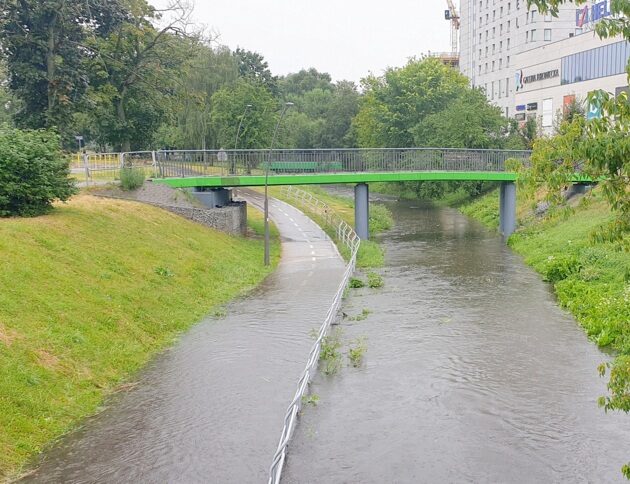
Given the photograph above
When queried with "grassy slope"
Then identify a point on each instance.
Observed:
(88, 294)
(591, 279)
(370, 253)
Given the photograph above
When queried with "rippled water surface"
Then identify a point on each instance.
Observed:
(472, 373)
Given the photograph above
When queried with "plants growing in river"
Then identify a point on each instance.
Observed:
(362, 316)
(375, 280)
(356, 283)
(329, 354)
(312, 399)
(356, 352)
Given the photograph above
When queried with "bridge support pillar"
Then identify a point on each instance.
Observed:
(362, 210)
(507, 208)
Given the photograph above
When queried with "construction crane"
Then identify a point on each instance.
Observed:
(452, 15)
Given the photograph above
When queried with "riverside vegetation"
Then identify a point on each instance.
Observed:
(89, 294)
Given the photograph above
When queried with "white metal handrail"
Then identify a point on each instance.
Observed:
(350, 239)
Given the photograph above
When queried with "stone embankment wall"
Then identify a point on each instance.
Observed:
(231, 218)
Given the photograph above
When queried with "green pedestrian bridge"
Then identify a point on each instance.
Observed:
(218, 170)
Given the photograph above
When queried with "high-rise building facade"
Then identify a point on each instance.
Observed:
(492, 32)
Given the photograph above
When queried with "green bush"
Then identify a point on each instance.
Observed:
(559, 268)
(33, 172)
(131, 178)
(356, 283)
(375, 280)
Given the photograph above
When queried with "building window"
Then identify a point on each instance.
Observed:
(480, 69)
(494, 15)
(501, 29)
(578, 31)
(507, 61)
(479, 37)
(501, 63)
(492, 66)
(547, 35)
(480, 21)
(508, 43)
(486, 67)
(492, 91)
(608, 60)
(526, 36)
(547, 112)
(486, 35)
(501, 12)
(509, 7)
(532, 36)
(493, 48)
(501, 46)
(500, 90)
(487, 18)
(548, 17)
(533, 12)
(518, 4)
(507, 86)
(508, 26)
(494, 31)
(486, 51)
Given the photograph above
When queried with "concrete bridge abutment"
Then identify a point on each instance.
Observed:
(507, 208)
(362, 210)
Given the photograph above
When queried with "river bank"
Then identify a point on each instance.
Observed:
(90, 293)
(591, 278)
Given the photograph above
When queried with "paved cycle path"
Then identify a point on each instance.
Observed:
(211, 408)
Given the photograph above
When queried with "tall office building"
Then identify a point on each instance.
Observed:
(493, 31)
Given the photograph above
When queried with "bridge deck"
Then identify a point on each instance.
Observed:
(332, 178)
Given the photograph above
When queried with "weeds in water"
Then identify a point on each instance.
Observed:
(356, 283)
(361, 316)
(220, 313)
(329, 354)
(312, 399)
(375, 280)
(356, 352)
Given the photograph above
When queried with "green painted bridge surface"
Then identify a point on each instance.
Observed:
(332, 178)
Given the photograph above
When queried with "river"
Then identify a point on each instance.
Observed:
(472, 373)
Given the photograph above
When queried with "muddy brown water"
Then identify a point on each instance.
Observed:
(472, 373)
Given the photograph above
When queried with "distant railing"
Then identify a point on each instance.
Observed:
(348, 237)
(224, 163)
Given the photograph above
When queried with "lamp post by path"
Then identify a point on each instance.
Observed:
(238, 131)
(273, 140)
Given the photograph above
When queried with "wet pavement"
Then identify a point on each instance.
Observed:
(211, 408)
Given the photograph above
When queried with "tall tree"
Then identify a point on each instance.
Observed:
(400, 99)
(44, 45)
(253, 66)
(135, 68)
(228, 106)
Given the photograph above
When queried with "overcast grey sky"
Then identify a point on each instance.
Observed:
(346, 38)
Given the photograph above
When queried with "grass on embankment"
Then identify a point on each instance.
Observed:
(591, 279)
(88, 294)
(370, 254)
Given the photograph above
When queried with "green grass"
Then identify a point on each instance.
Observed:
(591, 279)
(370, 253)
(88, 294)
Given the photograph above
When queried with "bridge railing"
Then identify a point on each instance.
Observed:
(350, 240)
(181, 163)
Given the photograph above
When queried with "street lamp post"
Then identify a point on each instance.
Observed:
(273, 140)
(238, 131)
